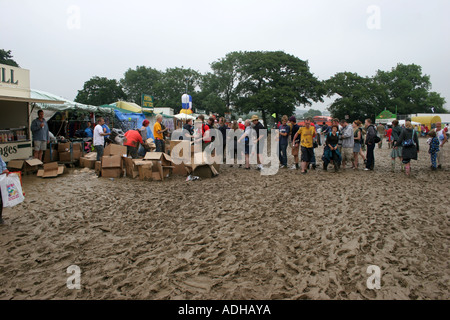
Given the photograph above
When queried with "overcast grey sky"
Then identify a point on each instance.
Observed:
(65, 43)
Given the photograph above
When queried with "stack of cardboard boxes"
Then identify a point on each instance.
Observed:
(112, 163)
(197, 165)
(112, 166)
(51, 155)
(155, 165)
(161, 165)
(66, 155)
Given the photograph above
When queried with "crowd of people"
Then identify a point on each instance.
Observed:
(345, 144)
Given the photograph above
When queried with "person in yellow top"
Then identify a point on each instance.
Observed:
(307, 133)
(158, 134)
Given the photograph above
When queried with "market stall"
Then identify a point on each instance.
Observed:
(70, 117)
(15, 121)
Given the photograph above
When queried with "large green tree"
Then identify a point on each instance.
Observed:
(6, 58)
(142, 80)
(275, 82)
(409, 90)
(99, 91)
(209, 97)
(172, 86)
(404, 89)
(312, 113)
(354, 94)
(225, 78)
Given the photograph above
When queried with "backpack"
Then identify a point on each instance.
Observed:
(409, 142)
(376, 139)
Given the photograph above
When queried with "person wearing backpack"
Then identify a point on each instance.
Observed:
(409, 141)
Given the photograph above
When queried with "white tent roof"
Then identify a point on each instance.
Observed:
(184, 116)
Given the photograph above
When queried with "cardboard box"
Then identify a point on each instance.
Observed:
(114, 150)
(205, 171)
(30, 165)
(182, 151)
(77, 155)
(145, 171)
(16, 165)
(167, 172)
(200, 168)
(131, 170)
(77, 146)
(179, 169)
(47, 158)
(51, 170)
(200, 159)
(98, 168)
(54, 156)
(112, 172)
(64, 147)
(162, 173)
(156, 176)
(114, 161)
(65, 156)
(87, 163)
(91, 156)
(164, 158)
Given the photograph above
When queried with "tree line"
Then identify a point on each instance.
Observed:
(268, 82)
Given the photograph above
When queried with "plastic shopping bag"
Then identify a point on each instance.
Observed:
(11, 190)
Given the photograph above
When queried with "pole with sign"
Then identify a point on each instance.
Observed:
(147, 101)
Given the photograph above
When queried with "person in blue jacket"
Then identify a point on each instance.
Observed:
(89, 132)
(106, 129)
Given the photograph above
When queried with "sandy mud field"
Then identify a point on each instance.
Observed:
(237, 236)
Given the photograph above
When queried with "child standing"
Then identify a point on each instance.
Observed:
(434, 149)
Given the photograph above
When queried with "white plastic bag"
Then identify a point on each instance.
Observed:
(11, 190)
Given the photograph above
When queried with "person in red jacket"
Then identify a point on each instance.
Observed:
(389, 136)
(132, 140)
(241, 124)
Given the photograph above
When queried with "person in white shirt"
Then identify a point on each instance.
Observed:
(99, 138)
(442, 136)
